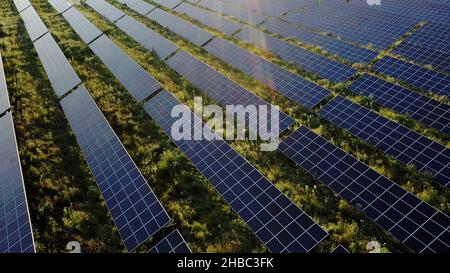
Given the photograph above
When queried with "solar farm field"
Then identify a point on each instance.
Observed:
(89, 94)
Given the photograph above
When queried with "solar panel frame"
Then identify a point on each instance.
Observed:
(58, 69)
(130, 74)
(413, 222)
(136, 211)
(105, 9)
(33, 23)
(139, 6)
(246, 16)
(60, 5)
(22, 4)
(4, 97)
(432, 35)
(86, 30)
(251, 195)
(340, 249)
(172, 243)
(16, 234)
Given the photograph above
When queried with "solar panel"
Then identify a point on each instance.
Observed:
(179, 26)
(415, 75)
(148, 38)
(172, 243)
(4, 99)
(136, 80)
(60, 5)
(243, 15)
(105, 9)
(81, 25)
(301, 58)
(209, 19)
(413, 222)
(15, 227)
(168, 3)
(21, 4)
(136, 211)
(58, 69)
(278, 222)
(340, 250)
(139, 6)
(432, 35)
(221, 88)
(340, 48)
(33, 23)
(273, 8)
(422, 108)
(296, 88)
(398, 141)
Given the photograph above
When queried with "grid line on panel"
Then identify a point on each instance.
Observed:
(247, 16)
(135, 209)
(172, 243)
(396, 140)
(21, 5)
(432, 35)
(422, 108)
(33, 23)
(276, 220)
(413, 222)
(15, 226)
(296, 88)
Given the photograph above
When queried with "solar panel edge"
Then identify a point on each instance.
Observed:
(4, 96)
(176, 232)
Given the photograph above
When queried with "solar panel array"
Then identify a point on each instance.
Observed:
(136, 80)
(243, 15)
(414, 75)
(340, 48)
(139, 6)
(221, 88)
(271, 7)
(15, 227)
(422, 108)
(413, 222)
(168, 3)
(432, 35)
(60, 5)
(21, 4)
(172, 243)
(82, 26)
(276, 220)
(400, 142)
(177, 25)
(148, 38)
(136, 211)
(209, 19)
(4, 99)
(292, 86)
(105, 9)
(33, 23)
(302, 58)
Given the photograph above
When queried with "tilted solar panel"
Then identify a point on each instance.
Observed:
(432, 35)
(340, 249)
(437, 59)
(148, 38)
(294, 87)
(332, 45)
(21, 4)
(135, 209)
(222, 89)
(136, 80)
(139, 6)
(243, 15)
(59, 71)
(81, 25)
(415, 75)
(168, 3)
(209, 19)
(60, 5)
(277, 221)
(15, 227)
(413, 222)
(105, 9)
(301, 58)
(273, 8)
(179, 26)
(422, 108)
(33, 23)
(398, 141)
(4, 98)
(172, 243)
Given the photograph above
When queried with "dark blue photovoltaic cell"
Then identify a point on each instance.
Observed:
(301, 58)
(209, 19)
(33, 23)
(148, 38)
(332, 45)
(21, 4)
(222, 89)
(168, 3)
(60, 5)
(274, 8)
(15, 227)
(4, 98)
(415, 75)
(136, 211)
(136, 80)
(340, 249)
(277, 221)
(296, 88)
(432, 35)
(105, 9)
(82, 26)
(192, 33)
(422, 108)
(413, 222)
(139, 6)
(173, 243)
(396, 140)
(243, 15)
